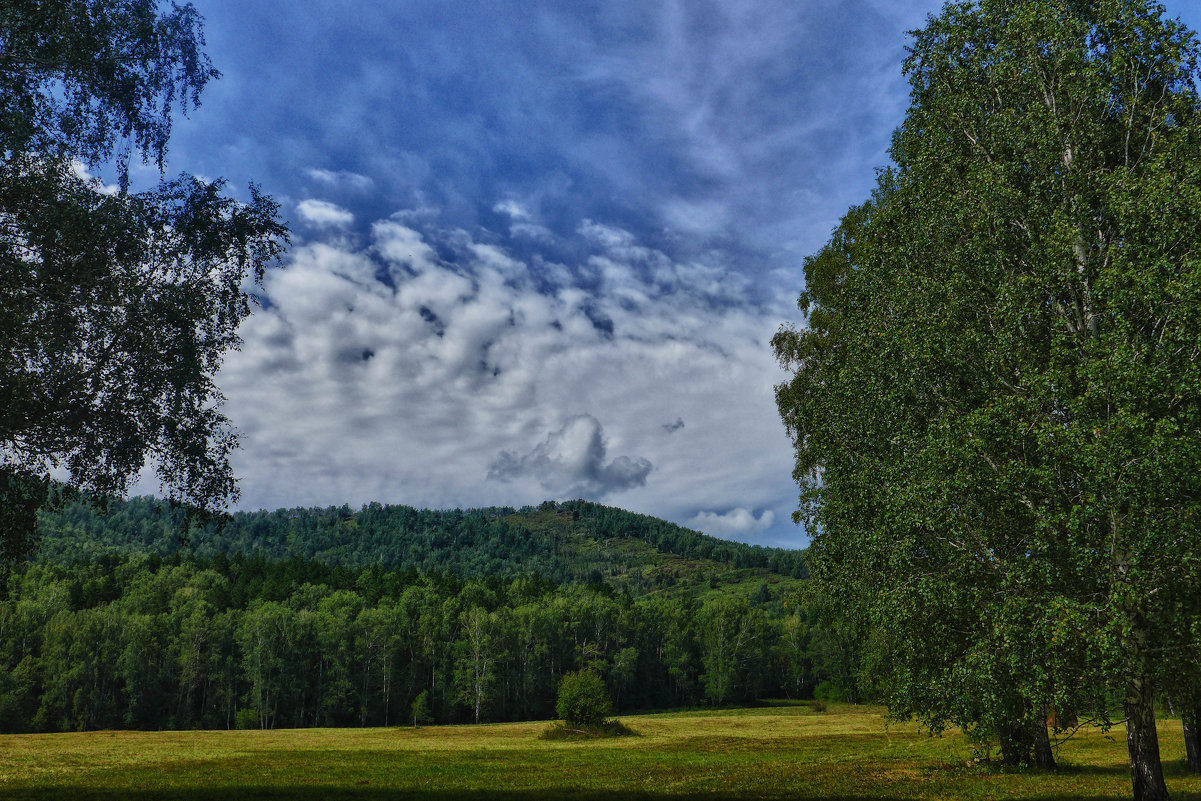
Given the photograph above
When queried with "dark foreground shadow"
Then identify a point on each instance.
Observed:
(322, 793)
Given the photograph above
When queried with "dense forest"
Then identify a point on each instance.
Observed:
(567, 542)
(334, 618)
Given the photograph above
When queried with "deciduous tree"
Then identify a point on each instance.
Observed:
(996, 404)
(115, 306)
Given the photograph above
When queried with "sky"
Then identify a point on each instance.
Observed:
(539, 249)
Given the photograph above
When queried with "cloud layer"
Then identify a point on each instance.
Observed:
(746, 125)
(428, 365)
(540, 247)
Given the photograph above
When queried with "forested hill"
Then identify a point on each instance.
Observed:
(568, 542)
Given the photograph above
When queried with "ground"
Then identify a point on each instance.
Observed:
(772, 752)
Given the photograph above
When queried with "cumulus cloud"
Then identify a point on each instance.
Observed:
(419, 363)
(571, 462)
(735, 523)
(323, 214)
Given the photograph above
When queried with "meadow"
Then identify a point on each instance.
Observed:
(771, 752)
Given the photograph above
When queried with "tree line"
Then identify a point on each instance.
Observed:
(565, 541)
(246, 642)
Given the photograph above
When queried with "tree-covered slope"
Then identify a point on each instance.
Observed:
(332, 617)
(570, 542)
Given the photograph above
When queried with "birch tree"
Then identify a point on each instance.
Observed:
(996, 404)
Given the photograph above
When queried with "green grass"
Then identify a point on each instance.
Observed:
(772, 752)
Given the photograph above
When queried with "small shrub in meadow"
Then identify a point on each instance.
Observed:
(421, 709)
(584, 706)
(583, 699)
(609, 728)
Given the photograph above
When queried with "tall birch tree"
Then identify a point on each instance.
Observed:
(996, 403)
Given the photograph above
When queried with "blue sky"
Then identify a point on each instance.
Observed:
(540, 248)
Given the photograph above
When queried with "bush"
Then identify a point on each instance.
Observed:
(421, 709)
(827, 690)
(583, 699)
(610, 728)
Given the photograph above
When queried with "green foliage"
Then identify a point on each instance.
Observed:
(420, 709)
(115, 307)
(583, 731)
(734, 636)
(250, 643)
(80, 79)
(583, 699)
(570, 542)
(343, 618)
(827, 690)
(989, 402)
(478, 653)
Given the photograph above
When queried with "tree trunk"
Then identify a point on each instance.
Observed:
(1044, 757)
(1027, 744)
(1146, 772)
(387, 694)
(1191, 718)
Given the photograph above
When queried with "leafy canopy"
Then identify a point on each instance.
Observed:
(115, 307)
(996, 404)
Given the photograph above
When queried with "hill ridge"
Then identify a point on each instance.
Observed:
(569, 542)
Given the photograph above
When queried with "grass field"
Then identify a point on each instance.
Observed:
(774, 752)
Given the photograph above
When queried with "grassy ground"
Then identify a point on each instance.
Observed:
(775, 752)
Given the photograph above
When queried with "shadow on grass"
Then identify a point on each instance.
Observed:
(1172, 769)
(320, 793)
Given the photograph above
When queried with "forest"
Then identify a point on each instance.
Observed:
(329, 623)
(564, 541)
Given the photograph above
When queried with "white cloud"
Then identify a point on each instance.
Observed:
(401, 245)
(415, 367)
(736, 523)
(322, 213)
(84, 174)
(341, 179)
(608, 236)
(531, 232)
(517, 211)
(523, 223)
(705, 217)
